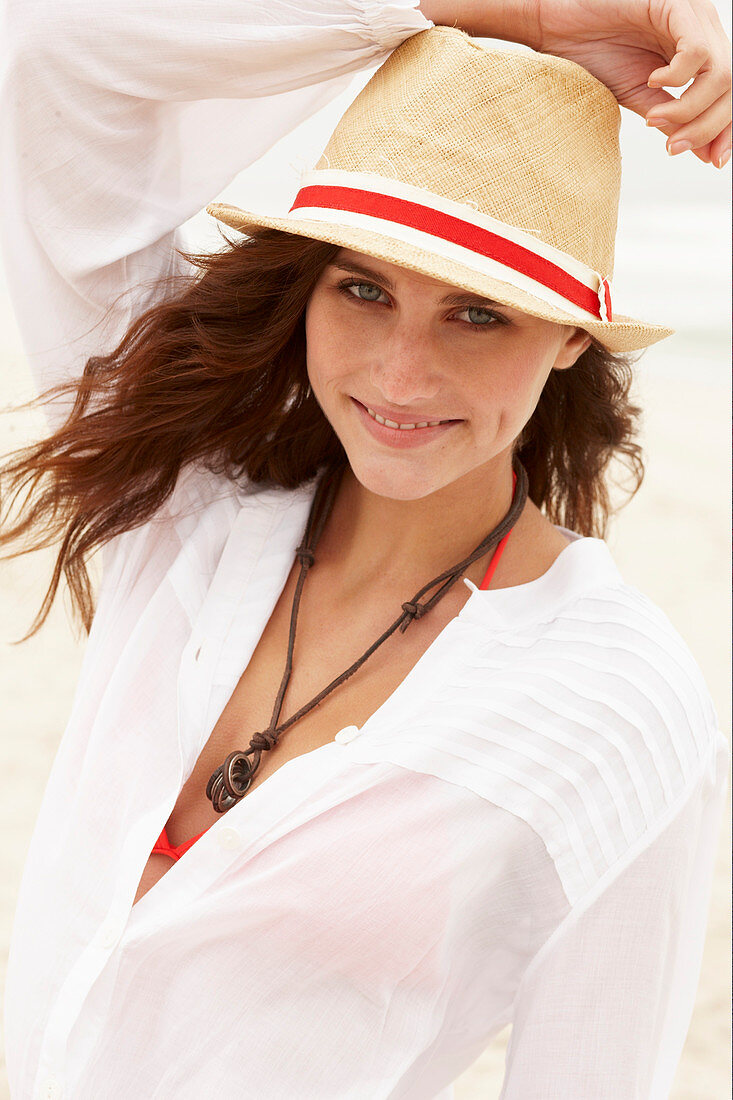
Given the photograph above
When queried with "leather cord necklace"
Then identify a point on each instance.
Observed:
(232, 779)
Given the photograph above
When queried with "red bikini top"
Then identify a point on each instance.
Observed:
(162, 844)
(165, 848)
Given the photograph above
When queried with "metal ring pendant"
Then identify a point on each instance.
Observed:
(238, 771)
(231, 780)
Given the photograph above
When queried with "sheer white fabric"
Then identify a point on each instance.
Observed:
(523, 833)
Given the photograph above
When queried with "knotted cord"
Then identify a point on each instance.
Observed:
(232, 779)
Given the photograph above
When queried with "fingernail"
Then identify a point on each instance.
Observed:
(678, 147)
(724, 158)
(658, 121)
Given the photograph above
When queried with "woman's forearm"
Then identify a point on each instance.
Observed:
(510, 20)
(118, 124)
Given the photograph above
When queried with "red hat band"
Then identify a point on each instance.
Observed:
(455, 232)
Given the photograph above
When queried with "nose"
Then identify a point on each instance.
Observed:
(403, 368)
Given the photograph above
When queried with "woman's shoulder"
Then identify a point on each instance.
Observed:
(636, 636)
(582, 625)
(602, 710)
(199, 488)
(188, 533)
(201, 493)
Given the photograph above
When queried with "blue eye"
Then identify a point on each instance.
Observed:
(366, 291)
(473, 318)
(479, 315)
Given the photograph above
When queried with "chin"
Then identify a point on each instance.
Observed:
(394, 483)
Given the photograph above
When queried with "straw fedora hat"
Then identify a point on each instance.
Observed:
(492, 170)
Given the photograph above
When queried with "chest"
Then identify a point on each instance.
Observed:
(327, 643)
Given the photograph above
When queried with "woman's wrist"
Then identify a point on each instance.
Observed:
(510, 20)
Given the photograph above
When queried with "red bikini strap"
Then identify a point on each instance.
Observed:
(496, 556)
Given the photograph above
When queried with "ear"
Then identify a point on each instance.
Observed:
(576, 342)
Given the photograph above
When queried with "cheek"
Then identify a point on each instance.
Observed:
(317, 345)
(505, 377)
(524, 385)
(507, 391)
(326, 343)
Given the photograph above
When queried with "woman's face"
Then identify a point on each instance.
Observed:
(459, 375)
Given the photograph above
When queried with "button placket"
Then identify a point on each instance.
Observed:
(110, 933)
(228, 838)
(51, 1089)
(348, 733)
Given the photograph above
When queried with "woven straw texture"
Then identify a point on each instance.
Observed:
(529, 139)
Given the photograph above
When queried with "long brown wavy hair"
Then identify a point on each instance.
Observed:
(215, 373)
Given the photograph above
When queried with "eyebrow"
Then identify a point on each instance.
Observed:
(456, 299)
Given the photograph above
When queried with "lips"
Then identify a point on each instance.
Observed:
(403, 434)
(408, 422)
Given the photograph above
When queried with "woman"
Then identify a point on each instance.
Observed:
(296, 457)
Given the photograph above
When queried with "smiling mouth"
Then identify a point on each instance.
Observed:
(403, 427)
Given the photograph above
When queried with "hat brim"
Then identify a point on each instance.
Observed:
(620, 335)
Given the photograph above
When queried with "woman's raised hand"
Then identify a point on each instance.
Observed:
(639, 47)
(636, 47)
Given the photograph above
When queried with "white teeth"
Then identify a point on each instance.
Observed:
(403, 427)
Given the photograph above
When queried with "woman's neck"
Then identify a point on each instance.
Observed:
(370, 536)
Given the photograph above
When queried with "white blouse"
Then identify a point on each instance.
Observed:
(523, 833)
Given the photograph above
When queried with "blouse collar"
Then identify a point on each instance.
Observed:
(584, 566)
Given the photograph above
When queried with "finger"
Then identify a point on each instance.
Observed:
(702, 152)
(690, 46)
(703, 129)
(706, 89)
(720, 148)
(685, 64)
(715, 152)
(706, 127)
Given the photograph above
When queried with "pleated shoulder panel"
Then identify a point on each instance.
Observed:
(589, 725)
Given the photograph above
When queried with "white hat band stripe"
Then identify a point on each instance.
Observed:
(446, 250)
(464, 211)
(475, 242)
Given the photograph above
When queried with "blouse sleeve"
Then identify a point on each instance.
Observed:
(120, 120)
(604, 1008)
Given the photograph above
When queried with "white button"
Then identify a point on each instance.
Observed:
(110, 934)
(228, 837)
(51, 1089)
(348, 733)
